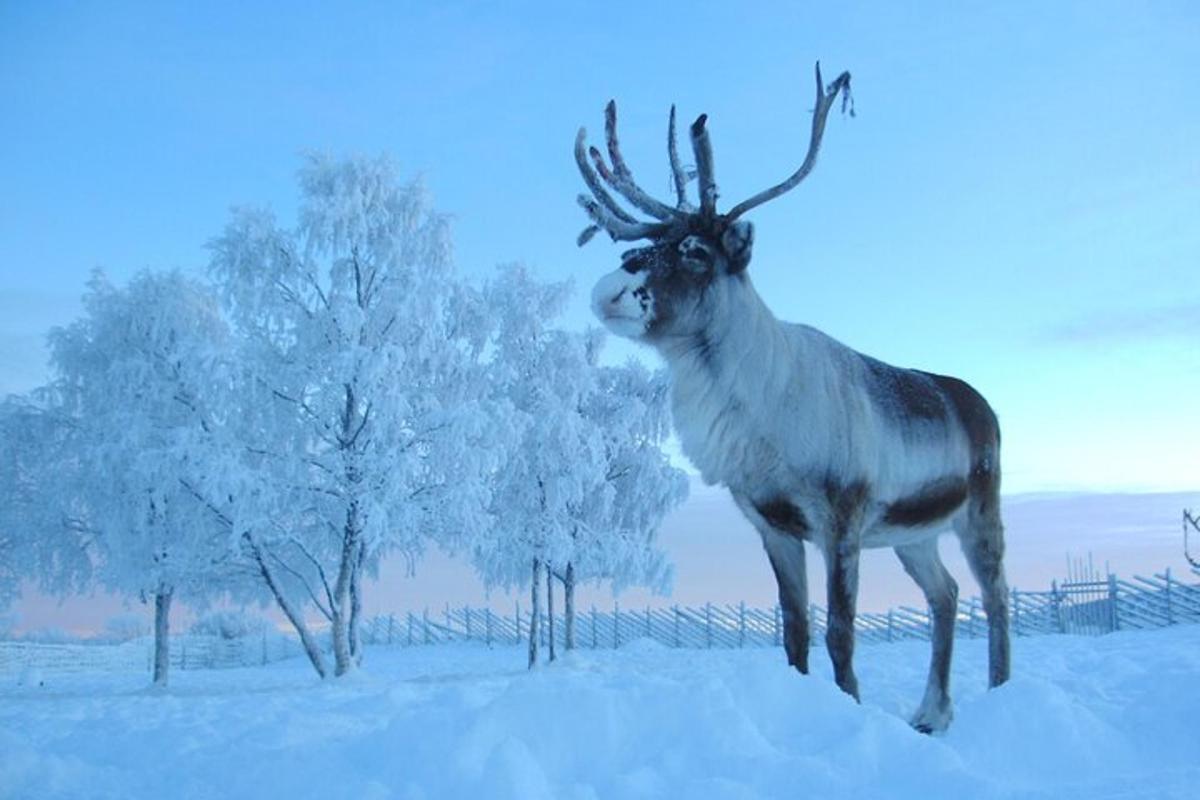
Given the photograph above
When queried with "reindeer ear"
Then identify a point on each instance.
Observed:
(738, 241)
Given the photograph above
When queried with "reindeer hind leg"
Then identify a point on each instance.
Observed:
(982, 539)
(923, 564)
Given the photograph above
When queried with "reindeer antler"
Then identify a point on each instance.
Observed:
(607, 213)
(825, 98)
(678, 174)
(604, 209)
(702, 147)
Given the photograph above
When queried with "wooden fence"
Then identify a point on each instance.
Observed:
(1087, 604)
(34, 661)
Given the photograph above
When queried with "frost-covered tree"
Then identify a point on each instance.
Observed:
(585, 483)
(359, 399)
(43, 536)
(544, 375)
(135, 376)
(631, 488)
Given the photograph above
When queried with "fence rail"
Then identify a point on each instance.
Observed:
(1085, 605)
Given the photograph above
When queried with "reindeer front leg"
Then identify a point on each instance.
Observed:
(783, 527)
(787, 561)
(847, 504)
(841, 563)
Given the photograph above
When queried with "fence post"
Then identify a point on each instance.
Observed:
(264, 644)
(616, 624)
(676, 608)
(1170, 613)
(518, 618)
(1112, 601)
(467, 614)
(1057, 599)
(594, 643)
(391, 627)
(708, 625)
(426, 619)
(775, 625)
(891, 623)
(410, 628)
(487, 621)
(647, 622)
(742, 624)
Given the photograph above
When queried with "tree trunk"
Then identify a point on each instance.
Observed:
(356, 652)
(311, 648)
(343, 662)
(569, 605)
(162, 632)
(534, 612)
(550, 610)
(344, 614)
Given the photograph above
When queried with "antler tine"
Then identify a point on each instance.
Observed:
(618, 229)
(593, 183)
(825, 98)
(702, 147)
(678, 175)
(586, 235)
(621, 178)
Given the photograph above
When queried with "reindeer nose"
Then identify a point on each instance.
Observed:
(607, 292)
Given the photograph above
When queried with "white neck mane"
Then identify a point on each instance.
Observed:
(719, 382)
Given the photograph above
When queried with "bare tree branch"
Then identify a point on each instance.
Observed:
(304, 582)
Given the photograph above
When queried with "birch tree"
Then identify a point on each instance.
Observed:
(134, 376)
(360, 394)
(631, 488)
(43, 538)
(541, 374)
(586, 483)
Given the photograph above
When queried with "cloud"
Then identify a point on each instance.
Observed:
(1178, 322)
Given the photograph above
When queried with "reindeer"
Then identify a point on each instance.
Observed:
(816, 442)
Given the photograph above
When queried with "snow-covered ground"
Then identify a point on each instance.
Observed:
(1113, 716)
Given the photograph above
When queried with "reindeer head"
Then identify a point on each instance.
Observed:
(676, 284)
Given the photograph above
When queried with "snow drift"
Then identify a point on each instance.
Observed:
(1111, 716)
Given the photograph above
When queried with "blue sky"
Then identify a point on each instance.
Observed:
(1017, 201)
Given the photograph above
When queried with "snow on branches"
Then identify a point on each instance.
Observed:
(135, 379)
(585, 484)
(358, 386)
(335, 396)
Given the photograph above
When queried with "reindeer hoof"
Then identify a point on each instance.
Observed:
(932, 719)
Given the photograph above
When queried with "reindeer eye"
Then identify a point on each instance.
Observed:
(634, 261)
